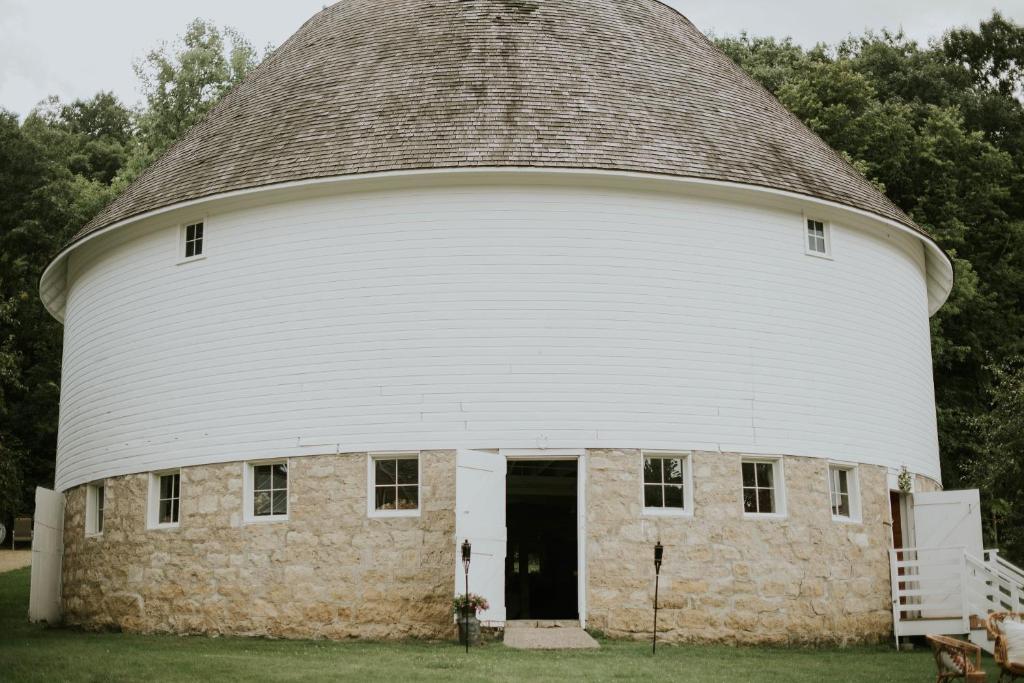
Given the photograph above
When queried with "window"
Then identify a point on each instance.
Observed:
(94, 506)
(817, 238)
(164, 499)
(667, 484)
(266, 492)
(762, 487)
(193, 240)
(395, 485)
(843, 492)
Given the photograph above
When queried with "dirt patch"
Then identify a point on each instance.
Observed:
(14, 559)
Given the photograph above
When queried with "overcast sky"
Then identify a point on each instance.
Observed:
(74, 48)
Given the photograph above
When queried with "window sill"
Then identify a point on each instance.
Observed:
(191, 259)
(817, 254)
(395, 513)
(164, 527)
(767, 516)
(269, 519)
(846, 520)
(94, 534)
(667, 512)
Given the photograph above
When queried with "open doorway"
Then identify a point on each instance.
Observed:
(541, 559)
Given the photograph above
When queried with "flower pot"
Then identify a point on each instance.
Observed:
(474, 628)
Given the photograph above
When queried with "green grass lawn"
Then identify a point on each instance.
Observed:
(30, 652)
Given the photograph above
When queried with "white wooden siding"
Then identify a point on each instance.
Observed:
(495, 317)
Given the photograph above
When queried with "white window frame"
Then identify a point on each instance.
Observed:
(778, 482)
(687, 462)
(853, 485)
(249, 481)
(182, 232)
(153, 514)
(94, 520)
(827, 232)
(371, 484)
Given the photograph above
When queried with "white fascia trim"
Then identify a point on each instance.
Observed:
(939, 265)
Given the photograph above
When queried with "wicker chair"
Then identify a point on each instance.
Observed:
(957, 659)
(1008, 671)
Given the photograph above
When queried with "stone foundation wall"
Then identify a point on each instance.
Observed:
(332, 571)
(329, 571)
(801, 579)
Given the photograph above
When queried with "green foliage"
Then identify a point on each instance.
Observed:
(182, 82)
(999, 469)
(993, 55)
(473, 601)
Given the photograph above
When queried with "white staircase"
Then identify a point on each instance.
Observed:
(950, 592)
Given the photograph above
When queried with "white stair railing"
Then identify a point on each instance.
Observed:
(929, 591)
(1008, 583)
(938, 590)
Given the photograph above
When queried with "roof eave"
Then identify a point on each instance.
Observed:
(939, 267)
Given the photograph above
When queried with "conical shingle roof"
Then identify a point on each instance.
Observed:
(369, 86)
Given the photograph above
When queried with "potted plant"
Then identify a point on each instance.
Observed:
(465, 608)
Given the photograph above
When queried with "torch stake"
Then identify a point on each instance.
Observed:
(467, 551)
(654, 642)
(659, 554)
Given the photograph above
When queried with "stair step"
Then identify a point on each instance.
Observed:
(549, 638)
(542, 623)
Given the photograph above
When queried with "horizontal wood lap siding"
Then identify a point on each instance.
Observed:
(495, 317)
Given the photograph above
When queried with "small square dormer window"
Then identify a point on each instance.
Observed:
(193, 240)
(817, 238)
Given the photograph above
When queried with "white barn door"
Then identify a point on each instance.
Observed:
(945, 522)
(944, 519)
(480, 517)
(47, 550)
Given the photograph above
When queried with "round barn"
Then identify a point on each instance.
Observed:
(554, 276)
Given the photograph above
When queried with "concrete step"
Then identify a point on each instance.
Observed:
(525, 637)
(542, 623)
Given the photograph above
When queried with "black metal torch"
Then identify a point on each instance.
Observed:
(659, 553)
(467, 550)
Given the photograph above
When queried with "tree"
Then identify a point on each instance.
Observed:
(55, 170)
(181, 82)
(1000, 468)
